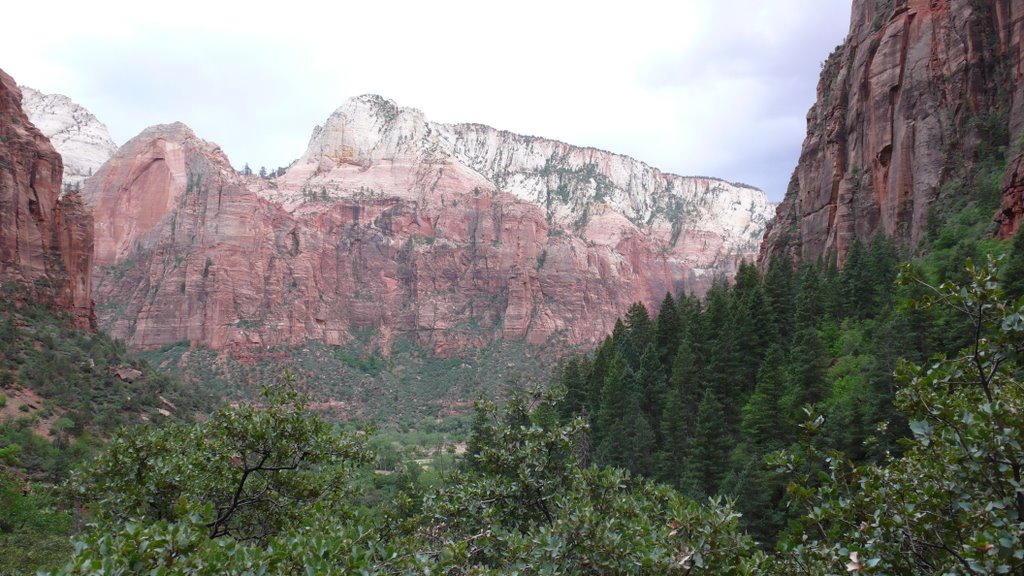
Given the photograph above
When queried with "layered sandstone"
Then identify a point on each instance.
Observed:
(909, 101)
(82, 141)
(45, 240)
(391, 225)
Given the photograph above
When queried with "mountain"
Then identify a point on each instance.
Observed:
(915, 113)
(46, 240)
(82, 141)
(390, 225)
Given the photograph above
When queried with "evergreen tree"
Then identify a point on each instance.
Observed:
(613, 403)
(725, 369)
(806, 382)
(857, 285)
(808, 298)
(652, 383)
(779, 291)
(596, 376)
(747, 280)
(764, 426)
(576, 399)
(882, 270)
(639, 333)
(707, 456)
(686, 382)
(481, 433)
(667, 331)
(618, 418)
(830, 292)
(641, 459)
(676, 428)
(752, 334)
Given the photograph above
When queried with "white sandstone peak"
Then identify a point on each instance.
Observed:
(81, 139)
(570, 182)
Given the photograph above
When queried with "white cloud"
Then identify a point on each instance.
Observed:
(694, 87)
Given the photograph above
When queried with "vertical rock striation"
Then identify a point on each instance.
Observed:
(918, 94)
(45, 240)
(391, 225)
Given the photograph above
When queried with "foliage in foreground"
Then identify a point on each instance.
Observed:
(522, 505)
(953, 504)
(950, 503)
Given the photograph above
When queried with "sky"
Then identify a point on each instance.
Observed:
(692, 87)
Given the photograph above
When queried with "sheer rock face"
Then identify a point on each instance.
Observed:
(916, 88)
(390, 225)
(82, 141)
(45, 240)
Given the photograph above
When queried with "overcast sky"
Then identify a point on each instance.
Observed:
(694, 87)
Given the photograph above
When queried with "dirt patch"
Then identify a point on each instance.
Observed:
(22, 402)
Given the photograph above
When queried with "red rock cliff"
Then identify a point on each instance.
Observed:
(904, 104)
(45, 240)
(390, 225)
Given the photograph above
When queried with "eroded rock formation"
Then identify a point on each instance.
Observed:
(908, 102)
(82, 141)
(45, 240)
(388, 225)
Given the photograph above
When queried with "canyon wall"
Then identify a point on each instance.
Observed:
(391, 225)
(46, 240)
(919, 97)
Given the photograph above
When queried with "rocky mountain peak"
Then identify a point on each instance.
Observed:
(452, 236)
(366, 129)
(145, 181)
(82, 140)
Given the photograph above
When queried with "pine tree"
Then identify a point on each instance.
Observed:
(613, 402)
(882, 264)
(573, 380)
(856, 285)
(686, 382)
(764, 426)
(747, 280)
(641, 459)
(639, 333)
(808, 298)
(676, 428)
(667, 331)
(779, 291)
(481, 433)
(596, 379)
(707, 457)
(725, 366)
(806, 368)
(620, 404)
(752, 333)
(652, 384)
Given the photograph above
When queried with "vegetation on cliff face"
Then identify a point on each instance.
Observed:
(62, 391)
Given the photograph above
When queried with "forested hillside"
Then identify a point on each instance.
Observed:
(63, 392)
(277, 490)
